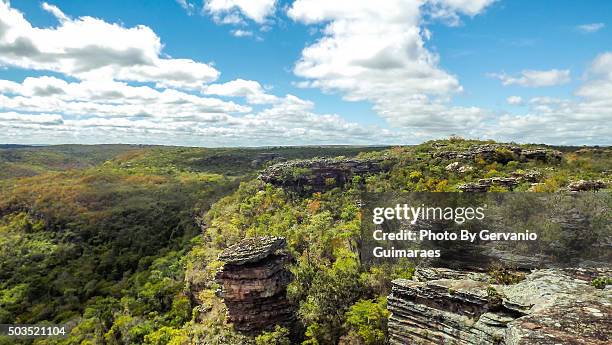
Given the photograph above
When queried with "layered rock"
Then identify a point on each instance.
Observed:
(500, 153)
(547, 307)
(583, 186)
(484, 184)
(319, 175)
(254, 282)
(458, 168)
(266, 157)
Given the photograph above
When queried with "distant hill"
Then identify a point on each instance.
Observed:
(24, 160)
(12, 146)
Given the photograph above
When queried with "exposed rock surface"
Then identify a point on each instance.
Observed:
(318, 175)
(529, 175)
(548, 307)
(266, 157)
(484, 184)
(583, 185)
(500, 153)
(458, 167)
(254, 283)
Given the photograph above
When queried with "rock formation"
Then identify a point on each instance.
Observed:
(484, 184)
(254, 280)
(262, 158)
(458, 168)
(582, 186)
(548, 307)
(319, 175)
(500, 153)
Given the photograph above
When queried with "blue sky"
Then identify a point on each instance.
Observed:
(265, 72)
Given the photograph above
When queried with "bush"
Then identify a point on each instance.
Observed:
(279, 336)
(367, 319)
(601, 282)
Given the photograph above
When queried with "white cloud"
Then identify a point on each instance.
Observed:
(230, 11)
(514, 100)
(590, 28)
(55, 11)
(47, 119)
(375, 51)
(187, 5)
(585, 120)
(90, 48)
(372, 51)
(105, 105)
(249, 89)
(449, 10)
(532, 78)
(598, 85)
(242, 33)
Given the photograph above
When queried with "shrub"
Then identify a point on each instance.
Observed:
(279, 336)
(601, 282)
(367, 319)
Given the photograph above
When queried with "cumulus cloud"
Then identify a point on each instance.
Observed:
(249, 89)
(90, 48)
(375, 51)
(232, 11)
(104, 104)
(17, 118)
(449, 10)
(598, 85)
(585, 120)
(590, 28)
(514, 100)
(532, 78)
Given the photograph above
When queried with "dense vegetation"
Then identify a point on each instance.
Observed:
(125, 249)
(98, 236)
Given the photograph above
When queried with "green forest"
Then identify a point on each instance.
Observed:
(120, 242)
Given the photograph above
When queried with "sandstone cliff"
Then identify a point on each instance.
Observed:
(254, 280)
(547, 307)
(319, 175)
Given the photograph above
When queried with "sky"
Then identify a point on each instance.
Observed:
(305, 72)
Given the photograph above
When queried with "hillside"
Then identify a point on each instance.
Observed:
(124, 247)
(93, 225)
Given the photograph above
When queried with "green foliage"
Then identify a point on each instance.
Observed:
(367, 319)
(280, 336)
(601, 282)
(501, 274)
(116, 246)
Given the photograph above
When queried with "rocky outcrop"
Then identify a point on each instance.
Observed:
(319, 175)
(583, 186)
(547, 307)
(484, 184)
(528, 176)
(254, 280)
(262, 158)
(500, 153)
(457, 167)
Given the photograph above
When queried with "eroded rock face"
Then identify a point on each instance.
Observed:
(583, 185)
(484, 184)
(319, 175)
(548, 307)
(254, 283)
(500, 153)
